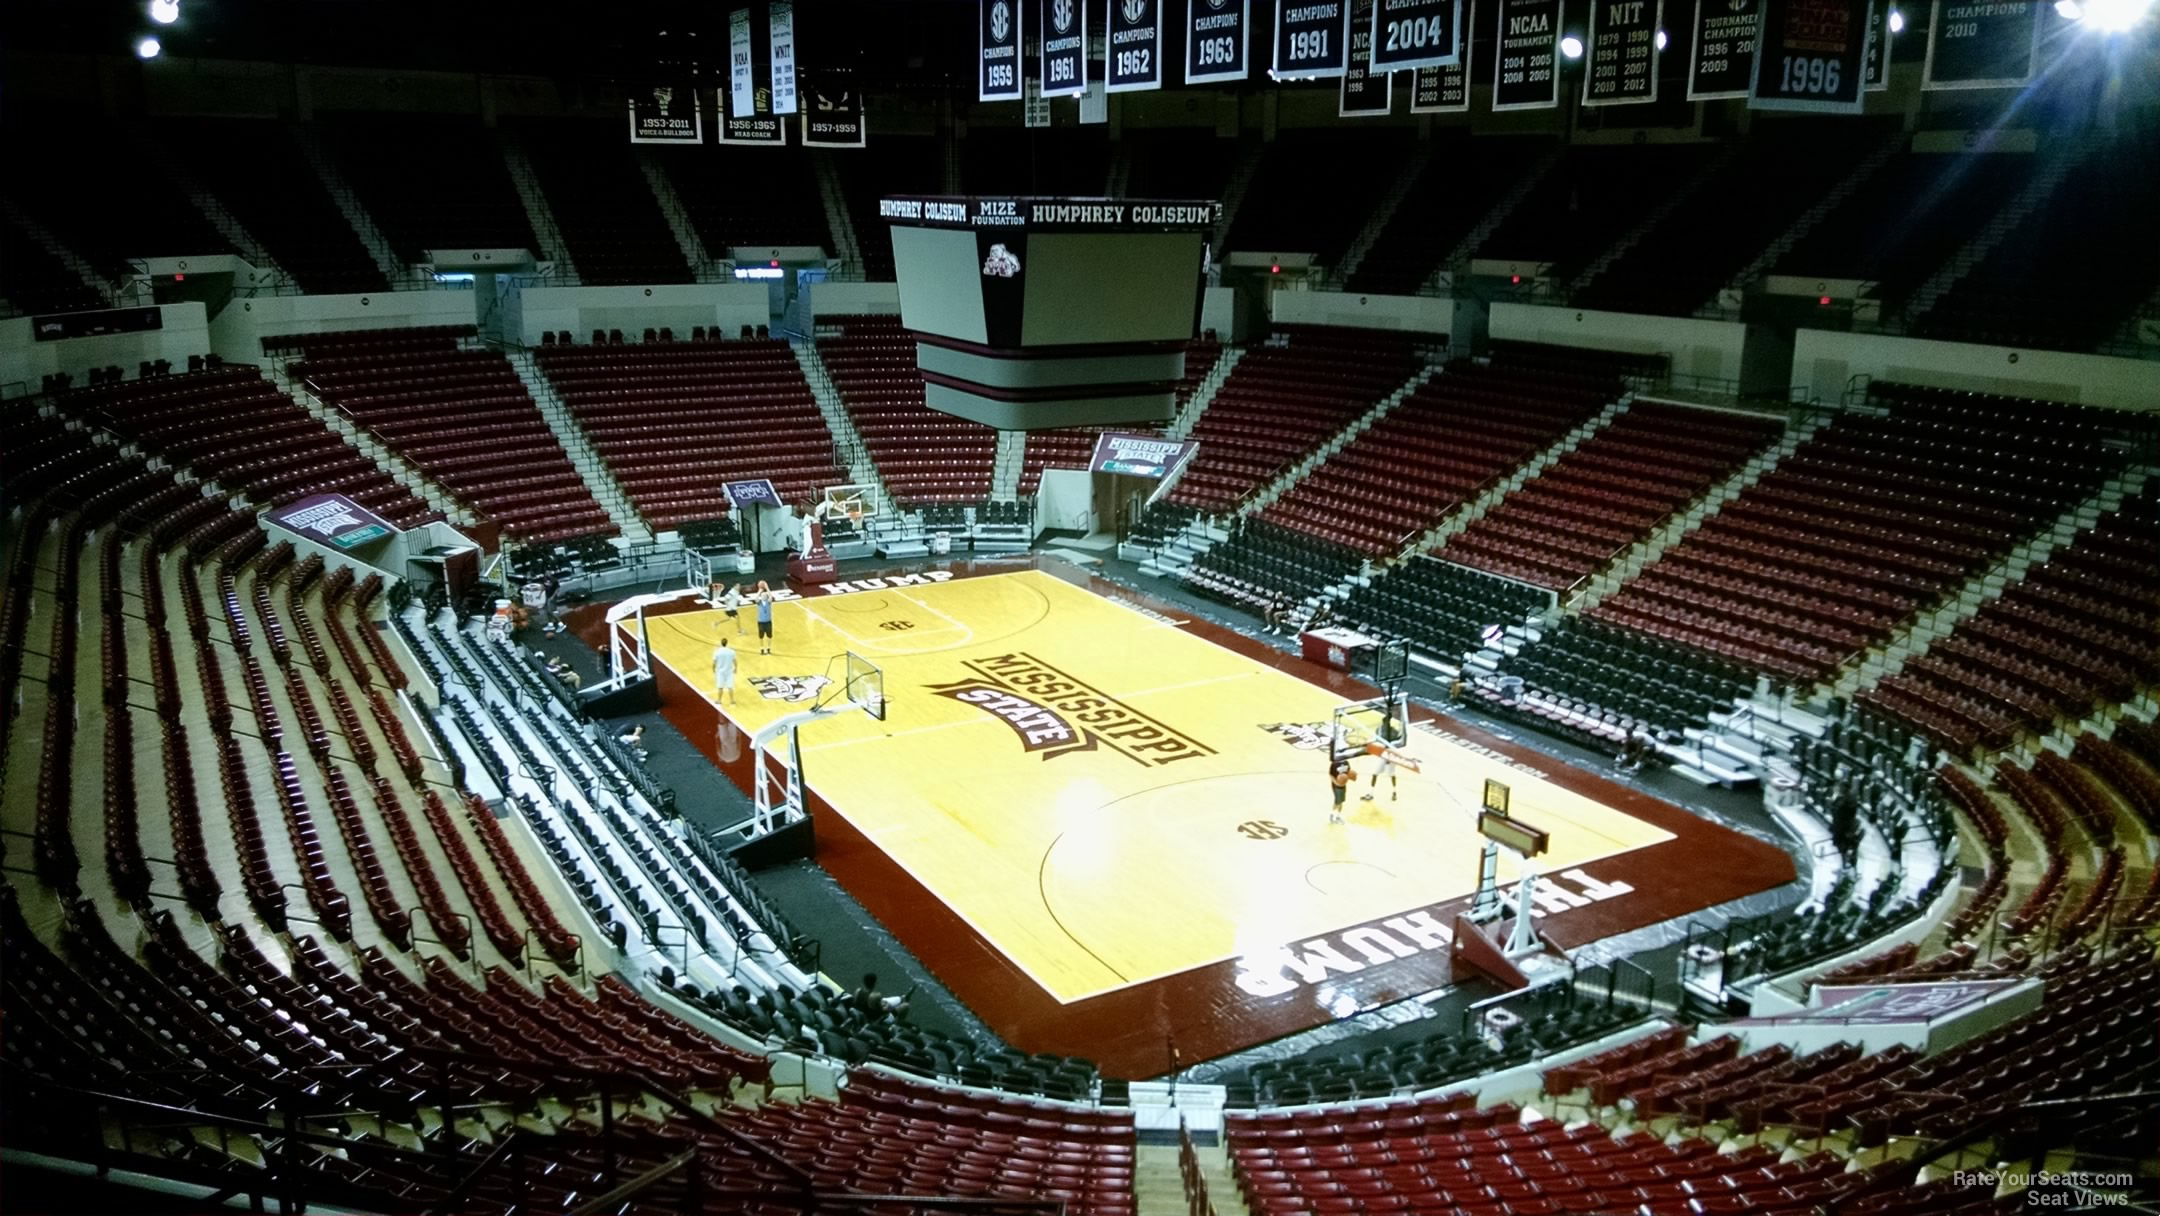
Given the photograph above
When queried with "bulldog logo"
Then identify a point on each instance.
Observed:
(792, 689)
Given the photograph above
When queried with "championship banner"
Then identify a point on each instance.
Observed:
(832, 111)
(1811, 56)
(742, 65)
(1312, 38)
(667, 114)
(1216, 40)
(761, 128)
(333, 519)
(1878, 50)
(1365, 93)
(782, 42)
(1528, 74)
(1415, 34)
(1622, 52)
(1445, 90)
(1723, 60)
(1133, 59)
(1064, 47)
(999, 41)
(1981, 44)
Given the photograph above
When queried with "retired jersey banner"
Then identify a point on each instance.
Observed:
(758, 128)
(1723, 60)
(1445, 90)
(1132, 59)
(999, 43)
(1312, 37)
(1622, 52)
(1062, 25)
(1365, 93)
(1415, 34)
(1527, 77)
(1216, 40)
(832, 111)
(1811, 56)
(742, 65)
(667, 113)
(1981, 44)
(783, 56)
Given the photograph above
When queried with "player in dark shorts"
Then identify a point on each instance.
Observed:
(764, 617)
(1339, 780)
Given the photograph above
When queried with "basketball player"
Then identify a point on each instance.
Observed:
(731, 603)
(723, 672)
(1387, 770)
(763, 599)
(1339, 778)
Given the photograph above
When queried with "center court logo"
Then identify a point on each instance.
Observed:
(1055, 713)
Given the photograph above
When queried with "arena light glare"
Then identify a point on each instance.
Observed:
(2114, 16)
(1571, 46)
(148, 48)
(1897, 22)
(1661, 40)
(2069, 10)
(164, 12)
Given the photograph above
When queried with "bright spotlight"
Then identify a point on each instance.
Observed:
(1571, 46)
(148, 48)
(1897, 22)
(1661, 40)
(2069, 10)
(164, 12)
(2115, 16)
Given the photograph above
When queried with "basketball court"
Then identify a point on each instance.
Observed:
(1109, 805)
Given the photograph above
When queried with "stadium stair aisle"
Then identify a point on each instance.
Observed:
(923, 457)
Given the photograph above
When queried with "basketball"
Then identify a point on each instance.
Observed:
(1376, 749)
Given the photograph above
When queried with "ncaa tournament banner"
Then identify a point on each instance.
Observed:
(1622, 52)
(1415, 34)
(1215, 40)
(742, 64)
(1723, 60)
(832, 111)
(760, 128)
(1445, 90)
(1365, 93)
(1132, 60)
(1000, 44)
(1981, 44)
(1811, 56)
(667, 114)
(782, 42)
(1528, 74)
(1312, 38)
(1063, 30)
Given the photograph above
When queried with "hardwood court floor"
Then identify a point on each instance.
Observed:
(1106, 799)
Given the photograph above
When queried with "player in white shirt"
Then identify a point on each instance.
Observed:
(723, 672)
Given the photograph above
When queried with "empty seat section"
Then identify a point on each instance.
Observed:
(1580, 207)
(675, 420)
(464, 419)
(1294, 203)
(924, 456)
(433, 182)
(732, 207)
(1458, 186)
(258, 172)
(33, 280)
(602, 204)
(1610, 492)
(889, 164)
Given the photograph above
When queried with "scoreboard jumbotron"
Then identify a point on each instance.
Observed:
(1044, 312)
